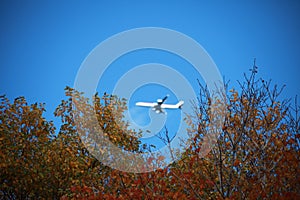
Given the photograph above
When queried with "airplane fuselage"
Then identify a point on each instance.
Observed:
(159, 106)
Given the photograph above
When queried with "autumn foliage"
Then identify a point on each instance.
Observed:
(256, 155)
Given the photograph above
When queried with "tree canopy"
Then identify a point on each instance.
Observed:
(256, 155)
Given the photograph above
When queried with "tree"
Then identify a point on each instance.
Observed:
(91, 176)
(37, 163)
(255, 157)
(24, 138)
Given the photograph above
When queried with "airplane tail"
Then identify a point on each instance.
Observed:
(179, 104)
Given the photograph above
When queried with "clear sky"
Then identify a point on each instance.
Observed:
(43, 43)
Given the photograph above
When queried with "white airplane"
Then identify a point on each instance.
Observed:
(159, 106)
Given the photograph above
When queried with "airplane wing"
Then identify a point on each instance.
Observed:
(165, 98)
(169, 106)
(173, 106)
(145, 104)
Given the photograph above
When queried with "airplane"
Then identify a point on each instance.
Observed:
(159, 106)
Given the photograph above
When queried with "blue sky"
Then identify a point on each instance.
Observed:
(43, 43)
